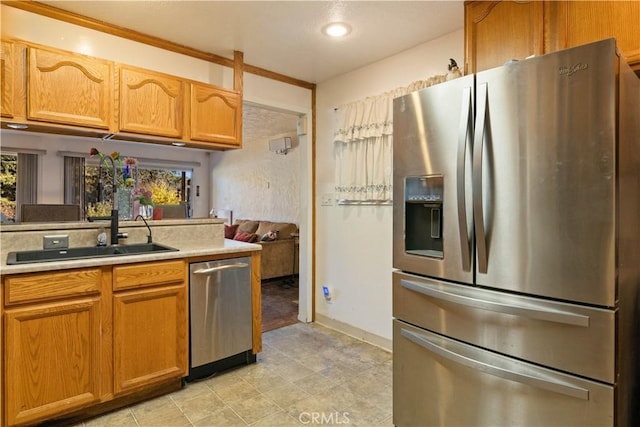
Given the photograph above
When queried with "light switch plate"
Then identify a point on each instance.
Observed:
(60, 241)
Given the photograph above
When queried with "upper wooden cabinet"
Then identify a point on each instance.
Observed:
(7, 70)
(51, 90)
(68, 88)
(151, 103)
(498, 31)
(216, 114)
(574, 23)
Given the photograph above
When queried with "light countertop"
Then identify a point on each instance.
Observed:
(185, 250)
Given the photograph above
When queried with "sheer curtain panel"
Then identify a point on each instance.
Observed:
(363, 151)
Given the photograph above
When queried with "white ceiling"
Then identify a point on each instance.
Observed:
(284, 36)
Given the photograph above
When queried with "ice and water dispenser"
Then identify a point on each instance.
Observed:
(423, 215)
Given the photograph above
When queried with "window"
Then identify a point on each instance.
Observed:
(19, 182)
(167, 186)
(8, 174)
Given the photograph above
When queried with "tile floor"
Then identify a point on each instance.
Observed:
(306, 374)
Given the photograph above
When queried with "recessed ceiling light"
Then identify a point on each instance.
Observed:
(17, 126)
(336, 29)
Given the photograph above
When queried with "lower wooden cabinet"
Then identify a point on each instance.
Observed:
(75, 338)
(53, 361)
(150, 336)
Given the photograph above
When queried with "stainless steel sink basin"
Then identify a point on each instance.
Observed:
(46, 255)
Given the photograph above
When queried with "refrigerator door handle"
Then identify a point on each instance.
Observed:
(513, 308)
(464, 134)
(564, 388)
(478, 211)
(209, 271)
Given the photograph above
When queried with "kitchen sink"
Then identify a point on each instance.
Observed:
(47, 255)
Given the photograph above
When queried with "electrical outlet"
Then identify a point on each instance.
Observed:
(326, 293)
(55, 242)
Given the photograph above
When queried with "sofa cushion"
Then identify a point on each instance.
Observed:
(247, 225)
(283, 229)
(245, 237)
(230, 230)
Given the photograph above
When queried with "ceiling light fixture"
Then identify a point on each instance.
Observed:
(336, 29)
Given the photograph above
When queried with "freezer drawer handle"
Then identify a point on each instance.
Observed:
(464, 134)
(531, 311)
(570, 390)
(212, 270)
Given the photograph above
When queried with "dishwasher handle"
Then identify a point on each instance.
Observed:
(211, 270)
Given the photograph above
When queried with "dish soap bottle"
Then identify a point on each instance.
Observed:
(102, 237)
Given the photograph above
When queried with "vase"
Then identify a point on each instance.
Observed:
(125, 203)
(146, 211)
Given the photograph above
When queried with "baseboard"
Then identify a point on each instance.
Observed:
(345, 328)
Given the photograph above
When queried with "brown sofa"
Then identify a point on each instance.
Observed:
(279, 257)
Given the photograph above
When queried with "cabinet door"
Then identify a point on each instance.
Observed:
(151, 103)
(575, 23)
(216, 114)
(498, 31)
(69, 89)
(7, 69)
(52, 359)
(150, 328)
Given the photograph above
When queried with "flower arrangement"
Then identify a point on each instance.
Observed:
(127, 166)
(144, 197)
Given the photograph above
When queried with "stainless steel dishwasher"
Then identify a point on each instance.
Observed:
(220, 321)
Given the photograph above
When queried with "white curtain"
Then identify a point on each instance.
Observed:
(363, 150)
(364, 146)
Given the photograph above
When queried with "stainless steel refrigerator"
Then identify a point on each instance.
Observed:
(516, 247)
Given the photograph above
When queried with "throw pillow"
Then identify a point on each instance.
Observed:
(270, 236)
(245, 237)
(230, 231)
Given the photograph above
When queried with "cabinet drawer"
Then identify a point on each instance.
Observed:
(554, 334)
(46, 286)
(148, 274)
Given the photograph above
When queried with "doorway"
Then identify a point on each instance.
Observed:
(259, 184)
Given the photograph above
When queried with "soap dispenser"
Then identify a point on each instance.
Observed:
(102, 237)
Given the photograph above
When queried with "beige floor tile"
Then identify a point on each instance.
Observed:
(239, 390)
(121, 418)
(189, 391)
(153, 412)
(304, 410)
(201, 406)
(223, 418)
(316, 384)
(279, 419)
(293, 371)
(254, 409)
(286, 395)
(307, 370)
(370, 381)
(164, 420)
(339, 372)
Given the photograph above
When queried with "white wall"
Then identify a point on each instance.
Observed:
(254, 182)
(354, 243)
